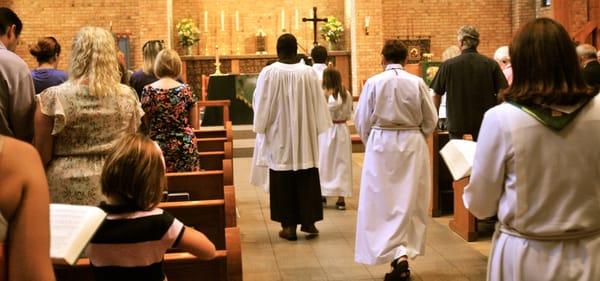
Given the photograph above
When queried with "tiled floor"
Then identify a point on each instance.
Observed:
(267, 257)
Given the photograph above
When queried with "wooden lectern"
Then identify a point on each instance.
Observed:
(463, 223)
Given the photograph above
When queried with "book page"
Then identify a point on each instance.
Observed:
(459, 156)
(69, 225)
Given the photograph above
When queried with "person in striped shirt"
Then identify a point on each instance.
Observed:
(131, 242)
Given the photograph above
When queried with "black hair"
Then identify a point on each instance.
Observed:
(394, 51)
(8, 18)
(287, 46)
(319, 54)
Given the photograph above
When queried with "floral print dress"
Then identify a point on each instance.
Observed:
(86, 128)
(167, 118)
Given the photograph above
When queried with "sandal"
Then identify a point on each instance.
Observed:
(400, 271)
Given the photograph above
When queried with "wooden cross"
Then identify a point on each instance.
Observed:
(315, 20)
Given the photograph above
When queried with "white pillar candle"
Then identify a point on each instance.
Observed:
(367, 21)
(296, 19)
(237, 21)
(206, 21)
(222, 20)
(282, 19)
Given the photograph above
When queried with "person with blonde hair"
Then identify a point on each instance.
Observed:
(502, 57)
(133, 181)
(79, 121)
(169, 107)
(24, 214)
(145, 75)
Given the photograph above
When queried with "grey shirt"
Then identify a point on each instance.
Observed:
(16, 96)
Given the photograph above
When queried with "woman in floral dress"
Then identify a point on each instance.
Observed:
(169, 105)
(80, 121)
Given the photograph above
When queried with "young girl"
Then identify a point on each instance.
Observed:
(131, 242)
(335, 146)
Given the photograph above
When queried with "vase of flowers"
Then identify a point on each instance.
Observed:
(332, 32)
(188, 34)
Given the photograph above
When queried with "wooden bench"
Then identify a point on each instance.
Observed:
(213, 160)
(207, 216)
(216, 132)
(463, 222)
(216, 103)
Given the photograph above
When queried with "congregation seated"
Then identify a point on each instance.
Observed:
(24, 214)
(132, 241)
(169, 107)
(79, 121)
(47, 54)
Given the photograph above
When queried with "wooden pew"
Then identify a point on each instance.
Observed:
(215, 103)
(216, 132)
(207, 216)
(213, 160)
(463, 222)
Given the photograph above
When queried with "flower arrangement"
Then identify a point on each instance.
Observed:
(332, 30)
(188, 32)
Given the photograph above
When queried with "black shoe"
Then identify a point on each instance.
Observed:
(340, 205)
(324, 200)
(288, 233)
(310, 229)
(400, 271)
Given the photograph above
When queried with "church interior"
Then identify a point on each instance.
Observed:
(237, 39)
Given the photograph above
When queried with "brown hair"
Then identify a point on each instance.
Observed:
(545, 66)
(332, 80)
(167, 64)
(134, 173)
(46, 49)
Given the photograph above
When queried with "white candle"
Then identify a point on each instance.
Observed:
(367, 21)
(206, 21)
(237, 21)
(296, 19)
(282, 19)
(222, 20)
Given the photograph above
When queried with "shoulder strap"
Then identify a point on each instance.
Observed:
(549, 117)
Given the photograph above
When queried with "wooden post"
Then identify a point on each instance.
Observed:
(463, 223)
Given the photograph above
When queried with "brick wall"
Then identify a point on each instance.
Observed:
(143, 20)
(253, 14)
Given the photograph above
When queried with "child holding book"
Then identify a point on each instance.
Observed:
(131, 242)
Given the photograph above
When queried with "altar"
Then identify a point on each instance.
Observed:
(237, 86)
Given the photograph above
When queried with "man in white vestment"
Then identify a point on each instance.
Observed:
(291, 112)
(319, 58)
(394, 116)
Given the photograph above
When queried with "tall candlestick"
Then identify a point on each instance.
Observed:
(222, 20)
(206, 21)
(237, 21)
(296, 16)
(282, 19)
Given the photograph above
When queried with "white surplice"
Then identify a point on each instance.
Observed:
(319, 68)
(542, 184)
(394, 115)
(335, 150)
(291, 112)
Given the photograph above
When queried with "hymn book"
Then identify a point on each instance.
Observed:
(71, 228)
(459, 155)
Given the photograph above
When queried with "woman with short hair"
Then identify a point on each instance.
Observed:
(79, 121)
(536, 164)
(169, 107)
(47, 53)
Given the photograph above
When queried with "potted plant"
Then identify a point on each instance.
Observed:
(188, 34)
(332, 31)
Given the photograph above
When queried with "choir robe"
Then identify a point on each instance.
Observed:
(544, 187)
(259, 169)
(335, 150)
(291, 113)
(394, 116)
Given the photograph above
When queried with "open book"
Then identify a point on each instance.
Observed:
(71, 228)
(459, 155)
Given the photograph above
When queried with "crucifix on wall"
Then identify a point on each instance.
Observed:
(314, 20)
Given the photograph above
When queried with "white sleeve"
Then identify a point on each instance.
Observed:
(261, 103)
(364, 111)
(481, 197)
(323, 117)
(430, 116)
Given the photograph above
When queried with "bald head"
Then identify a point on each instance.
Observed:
(586, 51)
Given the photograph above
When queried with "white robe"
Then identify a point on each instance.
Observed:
(541, 183)
(395, 182)
(335, 151)
(291, 113)
(319, 68)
